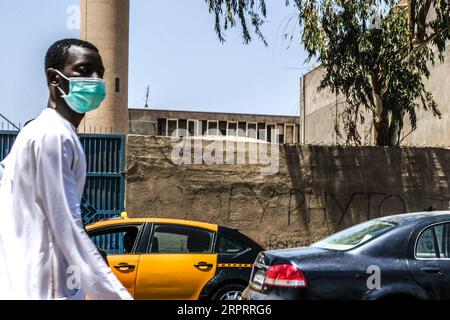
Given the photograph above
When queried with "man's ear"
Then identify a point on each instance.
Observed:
(53, 77)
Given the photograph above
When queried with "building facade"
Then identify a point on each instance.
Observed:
(321, 113)
(182, 123)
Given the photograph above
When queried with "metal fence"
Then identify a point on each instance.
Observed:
(104, 191)
(6, 141)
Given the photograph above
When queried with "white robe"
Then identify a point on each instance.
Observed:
(45, 252)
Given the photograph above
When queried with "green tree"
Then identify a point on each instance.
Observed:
(228, 11)
(379, 68)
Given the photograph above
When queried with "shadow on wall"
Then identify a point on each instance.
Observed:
(354, 184)
(317, 191)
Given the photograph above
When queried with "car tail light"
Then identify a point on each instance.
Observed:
(285, 275)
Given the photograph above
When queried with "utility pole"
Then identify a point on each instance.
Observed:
(146, 97)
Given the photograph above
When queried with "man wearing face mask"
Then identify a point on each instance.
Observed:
(45, 252)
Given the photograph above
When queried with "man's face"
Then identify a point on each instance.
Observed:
(81, 62)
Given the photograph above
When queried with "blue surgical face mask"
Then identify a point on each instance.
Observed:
(85, 94)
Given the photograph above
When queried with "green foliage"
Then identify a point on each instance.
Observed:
(229, 10)
(376, 69)
(381, 69)
(434, 31)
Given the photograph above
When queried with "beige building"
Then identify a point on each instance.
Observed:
(322, 113)
(182, 123)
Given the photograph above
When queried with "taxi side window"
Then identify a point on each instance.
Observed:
(227, 245)
(116, 240)
(180, 239)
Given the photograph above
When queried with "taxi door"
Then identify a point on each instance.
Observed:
(120, 245)
(125, 267)
(178, 264)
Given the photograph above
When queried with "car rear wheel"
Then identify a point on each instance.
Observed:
(229, 292)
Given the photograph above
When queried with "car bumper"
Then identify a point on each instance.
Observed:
(275, 293)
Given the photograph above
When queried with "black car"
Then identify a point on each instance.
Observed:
(401, 256)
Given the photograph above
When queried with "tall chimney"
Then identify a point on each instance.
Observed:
(105, 23)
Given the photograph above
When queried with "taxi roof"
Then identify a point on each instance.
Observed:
(119, 221)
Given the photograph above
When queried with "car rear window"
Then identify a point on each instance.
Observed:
(434, 242)
(356, 235)
(425, 246)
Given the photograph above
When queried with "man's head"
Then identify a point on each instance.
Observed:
(70, 58)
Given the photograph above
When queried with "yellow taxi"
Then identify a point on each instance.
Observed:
(169, 259)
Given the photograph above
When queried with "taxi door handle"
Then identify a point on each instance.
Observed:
(124, 266)
(203, 266)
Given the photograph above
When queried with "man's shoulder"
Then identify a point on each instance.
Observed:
(42, 136)
(47, 134)
(41, 133)
(50, 123)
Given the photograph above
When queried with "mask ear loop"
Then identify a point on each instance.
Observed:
(62, 92)
(59, 88)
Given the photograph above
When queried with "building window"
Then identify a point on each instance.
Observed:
(182, 128)
(204, 127)
(252, 130)
(212, 127)
(262, 131)
(117, 84)
(242, 126)
(271, 132)
(193, 127)
(162, 127)
(223, 128)
(172, 126)
(232, 128)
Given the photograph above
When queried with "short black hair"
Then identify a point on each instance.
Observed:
(57, 53)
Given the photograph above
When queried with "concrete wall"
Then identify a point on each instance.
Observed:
(317, 191)
(142, 122)
(322, 107)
